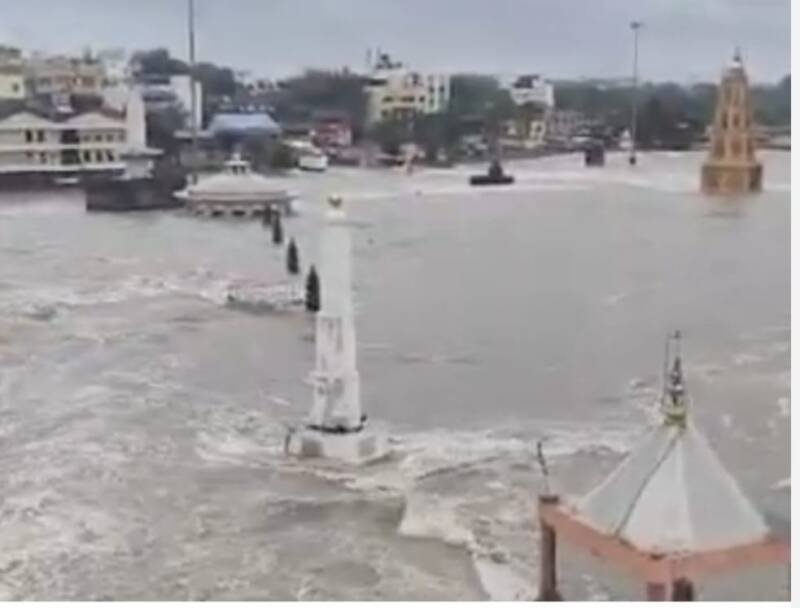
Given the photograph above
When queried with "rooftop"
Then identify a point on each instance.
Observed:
(672, 494)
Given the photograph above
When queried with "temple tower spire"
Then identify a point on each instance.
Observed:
(731, 166)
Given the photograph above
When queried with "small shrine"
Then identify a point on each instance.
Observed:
(732, 167)
(670, 514)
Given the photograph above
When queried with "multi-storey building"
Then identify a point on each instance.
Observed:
(59, 75)
(12, 74)
(395, 92)
(532, 89)
(37, 143)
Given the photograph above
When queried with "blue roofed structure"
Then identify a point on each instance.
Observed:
(242, 124)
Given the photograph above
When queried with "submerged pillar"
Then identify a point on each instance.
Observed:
(336, 426)
(548, 573)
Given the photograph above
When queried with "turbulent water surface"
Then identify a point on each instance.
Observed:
(142, 420)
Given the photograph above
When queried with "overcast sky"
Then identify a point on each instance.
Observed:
(683, 40)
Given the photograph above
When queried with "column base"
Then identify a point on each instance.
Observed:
(356, 447)
(550, 595)
(729, 178)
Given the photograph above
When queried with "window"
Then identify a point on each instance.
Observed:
(87, 156)
(735, 121)
(40, 136)
(98, 156)
(110, 137)
(98, 138)
(43, 158)
(28, 136)
(110, 156)
(388, 99)
(29, 155)
(15, 88)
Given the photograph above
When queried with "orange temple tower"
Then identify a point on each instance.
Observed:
(732, 167)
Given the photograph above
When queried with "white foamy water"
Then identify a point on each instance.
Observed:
(142, 419)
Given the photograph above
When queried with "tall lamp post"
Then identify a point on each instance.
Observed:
(193, 92)
(635, 27)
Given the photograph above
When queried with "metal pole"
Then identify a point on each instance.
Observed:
(635, 26)
(193, 92)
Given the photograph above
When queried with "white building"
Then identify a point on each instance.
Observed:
(532, 88)
(59, 75)
(395, 92)
(32, 143)
(12, 74)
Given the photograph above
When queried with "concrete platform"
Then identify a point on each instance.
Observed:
(360, 447)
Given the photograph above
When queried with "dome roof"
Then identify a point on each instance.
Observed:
(243, 123)
(236, 182)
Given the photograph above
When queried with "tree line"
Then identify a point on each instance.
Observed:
(669, 114)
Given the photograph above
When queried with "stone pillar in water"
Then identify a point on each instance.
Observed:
(337, 395)
(336, 427)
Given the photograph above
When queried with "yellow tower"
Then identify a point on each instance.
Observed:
(731, 167)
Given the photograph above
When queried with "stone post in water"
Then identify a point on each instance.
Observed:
(277, 228)
(312, 291)
(292, 258)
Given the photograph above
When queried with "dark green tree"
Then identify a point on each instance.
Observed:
(292, 258)
(301, 97)
(160, 128)
(391, 134)
(158, 61)
(313, 297)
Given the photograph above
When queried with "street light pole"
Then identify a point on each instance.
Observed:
(635, 27)
(193, 92)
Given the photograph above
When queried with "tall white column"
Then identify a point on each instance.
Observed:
(337, 398)
(335, 428)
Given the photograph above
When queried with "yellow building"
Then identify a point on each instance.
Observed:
(731, 166)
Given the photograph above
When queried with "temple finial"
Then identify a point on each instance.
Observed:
(674, 399)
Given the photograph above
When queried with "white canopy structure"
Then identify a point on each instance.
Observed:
(237, 187)
(672, 495)
(670, 513)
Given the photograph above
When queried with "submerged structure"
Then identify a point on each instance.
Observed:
(670, 514)
(731, 167)
(336, 427)
(236, 191)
